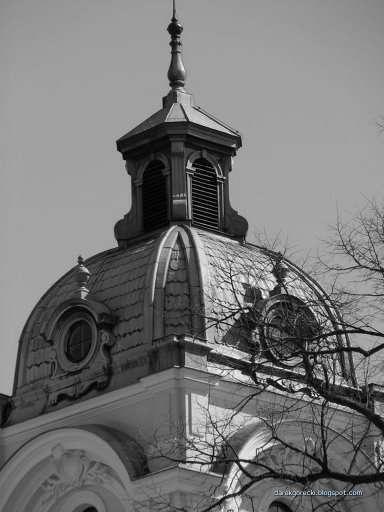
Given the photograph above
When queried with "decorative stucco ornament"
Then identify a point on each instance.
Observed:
(72, 470)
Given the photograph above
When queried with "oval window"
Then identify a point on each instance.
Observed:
(78, 341)
(289, 328)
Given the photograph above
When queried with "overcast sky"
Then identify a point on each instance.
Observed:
(302, 80)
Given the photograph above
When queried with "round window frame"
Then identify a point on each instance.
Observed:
(64, 334)
(281, 301)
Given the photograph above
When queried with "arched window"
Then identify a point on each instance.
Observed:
(277, 506)
(155, 211)
(205, 202)
(90, 509)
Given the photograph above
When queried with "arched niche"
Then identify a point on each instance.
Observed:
(51, 472)
(254, 444)
(154, 192)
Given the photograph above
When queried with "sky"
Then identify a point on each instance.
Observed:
(302, 80)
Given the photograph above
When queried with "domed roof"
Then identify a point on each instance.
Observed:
(182, 289)
(179, 285)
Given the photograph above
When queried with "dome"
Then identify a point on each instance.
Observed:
(183, 288)
(184, 368)
(182, 296)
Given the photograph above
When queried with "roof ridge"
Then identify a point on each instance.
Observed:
(217, 120)
(171, 109)
(138, 128)
(185, 112)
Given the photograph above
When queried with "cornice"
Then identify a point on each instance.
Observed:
(84, 411)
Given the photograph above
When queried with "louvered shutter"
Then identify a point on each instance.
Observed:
(205, 204)
(154, 197)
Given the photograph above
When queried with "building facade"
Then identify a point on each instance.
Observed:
(163, 374)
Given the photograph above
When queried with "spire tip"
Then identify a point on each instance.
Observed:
(176, 72)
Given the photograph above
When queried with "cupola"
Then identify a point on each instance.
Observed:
(179, 160)
(183, 289)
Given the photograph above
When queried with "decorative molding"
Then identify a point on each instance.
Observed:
(288, 459)
(75, 502)
(96, 367)
(72, 470)
(60, 375)
(235, 224)
(64, 463)
(99, 311)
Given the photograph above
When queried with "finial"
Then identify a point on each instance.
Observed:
(280, 272)
(176, 72)
(82, 275)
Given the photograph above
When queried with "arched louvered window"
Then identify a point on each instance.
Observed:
(155, 211)
(205, 202)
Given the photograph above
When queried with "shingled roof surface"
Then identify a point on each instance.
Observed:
(117, 280)
(121, 278)
(178, 112)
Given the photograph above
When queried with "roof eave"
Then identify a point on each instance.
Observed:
(179, 129)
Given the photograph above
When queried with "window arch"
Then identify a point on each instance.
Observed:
(204, 195)
(278, 506)
(154, 194)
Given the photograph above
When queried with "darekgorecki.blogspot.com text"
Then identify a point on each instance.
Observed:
(317, 492)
